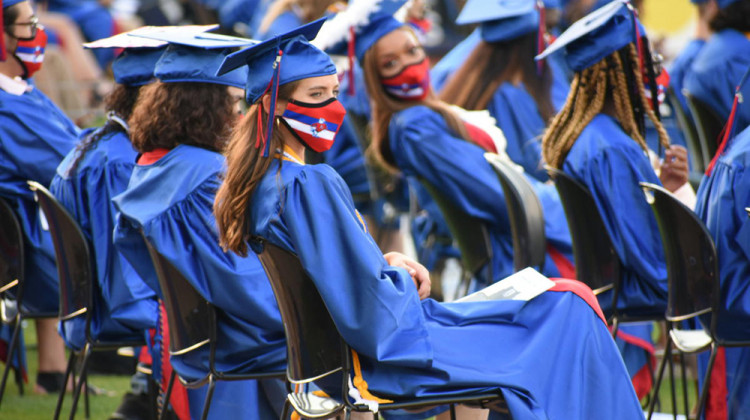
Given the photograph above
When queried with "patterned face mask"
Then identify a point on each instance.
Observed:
(412, 83)
(315, 125)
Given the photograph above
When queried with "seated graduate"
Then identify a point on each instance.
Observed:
(179, 127)
(500, 75)
(597, 139)
(722, 198)
(721, 63)
(35, 135)
(415, 133)
(405, 346)
(96, 170)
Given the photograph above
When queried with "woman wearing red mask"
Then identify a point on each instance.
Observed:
(35, 136)
(415, 133)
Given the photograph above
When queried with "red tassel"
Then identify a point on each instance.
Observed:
(726, 132)
(540, 44)
(350, 55)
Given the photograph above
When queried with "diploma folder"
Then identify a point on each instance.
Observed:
(523, 285)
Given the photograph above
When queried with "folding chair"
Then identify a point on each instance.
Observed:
(694, 284)
(525, 214)
(192, 326)
(471, 236)
(12, 277)
(316, 350)
(76, 273)
(708, 124)
(689, 130)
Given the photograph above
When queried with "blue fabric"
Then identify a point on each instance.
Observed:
(135, 66)
(409, 347)
(611, 164)
(125, 305)
(232, 12)
(347, 158)
(172, 202)
(35, 135)
(284, 23)
(185, 64)
(93, 19)
(423, 146)
(681, 68)
(716, 71)
(444, 69)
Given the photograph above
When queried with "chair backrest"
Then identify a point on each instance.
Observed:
(11, 249)
(75, 267)
(709, 126)
(470, 233)
(189, 315)
(525, 214)
(597, 263)
(689, 130)
(314, 346)
(692, 266)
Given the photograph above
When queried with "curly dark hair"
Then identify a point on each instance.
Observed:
(735, 16)
(170, 114)
(121, 102)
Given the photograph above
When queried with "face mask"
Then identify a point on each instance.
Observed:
(412, 83)
(315, 125)
(662, 82)
(30, 52)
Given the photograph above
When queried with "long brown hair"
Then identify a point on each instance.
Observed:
(490, 65)
(245, 168)
(384, 106)
(612, 79)
(169, 114)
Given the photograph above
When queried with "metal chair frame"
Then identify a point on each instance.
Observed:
(694, 282)
(182, 302)
(708, 124)
(76, 272)
(316, 350)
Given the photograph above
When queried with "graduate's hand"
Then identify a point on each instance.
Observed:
(674, 169)
(419, 274)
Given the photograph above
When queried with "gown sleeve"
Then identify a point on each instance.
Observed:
(374, 306)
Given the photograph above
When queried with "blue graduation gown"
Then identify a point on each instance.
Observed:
(444, 69)
(35, 135)
(347, 157)
(409, 347)
(423, 146)
(126, 303)
(284, 23)
(717, 70)
(611, 164)
(722, 198)
(171, 200)
(681, 67)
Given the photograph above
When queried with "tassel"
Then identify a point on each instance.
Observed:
(540, 39)
(728, 131)
(350, 55)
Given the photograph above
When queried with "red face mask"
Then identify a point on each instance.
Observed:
(662, 82)
(315, 125)
(30, 52)
(412, 83)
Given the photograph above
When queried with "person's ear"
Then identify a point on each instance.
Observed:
(280, 104)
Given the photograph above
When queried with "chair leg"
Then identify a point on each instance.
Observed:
(659, 377)
(615, 326)
(707, 380)
(285, 410)
(81, 380)
(453, 411)
(167, 395)
(68, 373)
(684, 385)
(672, 387)
(347, 414)
(87, 407)
(209, 395)
(11, 348)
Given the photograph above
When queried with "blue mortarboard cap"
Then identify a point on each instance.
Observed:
(597, 35)
(196, 57)
(724, 3)
(299, 60)
(135, 66)
(553, 4)
(8, 3)
(501, 20)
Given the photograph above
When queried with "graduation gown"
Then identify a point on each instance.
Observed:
(126, 305)
(722, 198)
(35, 136)
(717, 70)
(423, 146)
(408, 347)
(681, 67)
(611, 164)
(171, 200)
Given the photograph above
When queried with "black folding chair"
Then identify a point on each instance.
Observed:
(689, 130)
(316, 350)
(471, 236)
(694, 284)
(708, 124)
(525, 214)
(192, 325)
(12, 280)
(76, 273)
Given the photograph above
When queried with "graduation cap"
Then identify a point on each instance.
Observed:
(501, 20)
(724, 3)
(196, 57)
(277, 61)
(597, 35)
(4, 4)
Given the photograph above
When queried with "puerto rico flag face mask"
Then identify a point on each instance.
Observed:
(315, 125)
(412, 83)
